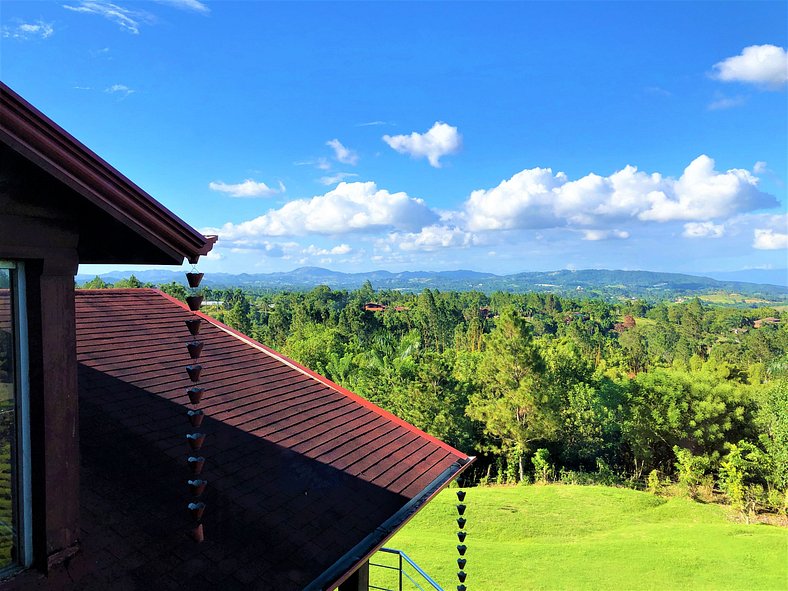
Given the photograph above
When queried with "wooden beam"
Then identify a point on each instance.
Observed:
(53, 407)
(358, 581)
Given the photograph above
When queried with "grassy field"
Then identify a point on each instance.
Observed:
(588, 537)
(731, 299)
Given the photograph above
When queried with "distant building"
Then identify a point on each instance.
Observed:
(628, 322)
(215, 303)
(374, 307)
(764, 321)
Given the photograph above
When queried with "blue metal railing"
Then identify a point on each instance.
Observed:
(404, 559)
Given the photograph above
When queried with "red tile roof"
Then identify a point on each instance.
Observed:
(305, 478)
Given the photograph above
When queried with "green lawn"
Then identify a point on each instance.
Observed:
(588, 537)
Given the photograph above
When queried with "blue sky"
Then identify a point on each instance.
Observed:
(502, 137)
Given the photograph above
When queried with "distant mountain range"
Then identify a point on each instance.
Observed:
(596, 282)
(771, 276)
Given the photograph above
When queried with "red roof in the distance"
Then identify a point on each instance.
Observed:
(305, 478)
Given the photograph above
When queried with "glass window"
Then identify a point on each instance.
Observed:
(14, 434)
(7, 423)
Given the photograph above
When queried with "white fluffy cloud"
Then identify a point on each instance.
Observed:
(350, 207)
(341, 153)
(774, 236)
(433, 237)
(248, 188)
(23, 31)
(767, 239)
(703, 230)
(702, 193)
(440, 140)
(524, 201)
(763, 65)
(537, 198)
(336, 250)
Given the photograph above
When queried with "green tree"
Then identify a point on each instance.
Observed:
(697, 411)
(316, 347)
(435, 400)
(634, 347)
(96, 283)
(174, 289)
(772, 423)
(237, 312)
(131, 282)
(513, 403)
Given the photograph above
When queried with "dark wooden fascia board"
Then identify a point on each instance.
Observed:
(36, 137)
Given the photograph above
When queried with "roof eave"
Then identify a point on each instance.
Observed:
(343, 568)
(39, 139)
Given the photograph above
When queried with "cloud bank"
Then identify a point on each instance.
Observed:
(533, 206)
(537, 198)
(349, 208)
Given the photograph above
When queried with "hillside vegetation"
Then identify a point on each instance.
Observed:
(590, 537)
(542, 387)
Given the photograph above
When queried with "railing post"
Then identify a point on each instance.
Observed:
(402, 560)
(400, 570)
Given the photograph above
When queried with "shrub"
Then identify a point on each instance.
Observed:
(754, 497)
(777, 501)
(653, 484)
(542, 467)
(732, 472)
(605, 474)
(691, 470)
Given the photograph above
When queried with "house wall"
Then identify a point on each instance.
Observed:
(42, 234)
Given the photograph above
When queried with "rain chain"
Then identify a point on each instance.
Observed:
(195, 438)
(461, 548)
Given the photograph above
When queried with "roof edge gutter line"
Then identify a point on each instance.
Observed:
(336, 574)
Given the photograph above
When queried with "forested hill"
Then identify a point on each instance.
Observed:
(591, 282)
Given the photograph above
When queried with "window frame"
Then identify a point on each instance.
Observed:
(22, 503)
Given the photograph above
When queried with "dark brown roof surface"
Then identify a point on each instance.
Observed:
(305, 478)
